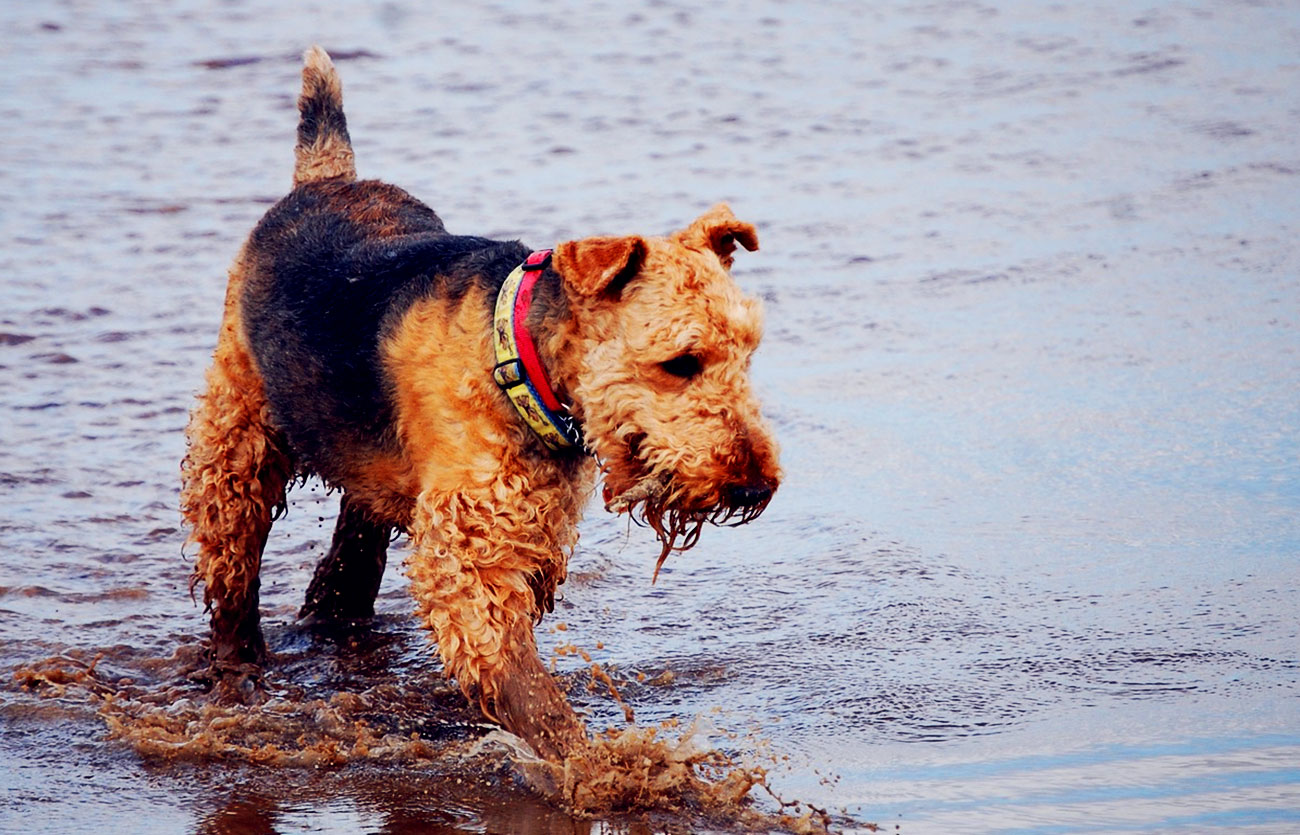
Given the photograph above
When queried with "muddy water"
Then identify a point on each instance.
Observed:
(1032, 286)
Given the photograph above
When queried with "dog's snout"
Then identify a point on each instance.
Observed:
(748, 495)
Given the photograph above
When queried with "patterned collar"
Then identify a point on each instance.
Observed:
(518, 370)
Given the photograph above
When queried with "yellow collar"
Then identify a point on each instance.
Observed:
(519, 370)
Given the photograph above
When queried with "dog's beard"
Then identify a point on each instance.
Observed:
(678, 529)
(677, 523)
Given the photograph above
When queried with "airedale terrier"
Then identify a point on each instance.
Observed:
(466, 392)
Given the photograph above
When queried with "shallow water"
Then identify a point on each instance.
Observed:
(1033, 355)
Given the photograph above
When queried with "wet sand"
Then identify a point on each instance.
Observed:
(1033, 350)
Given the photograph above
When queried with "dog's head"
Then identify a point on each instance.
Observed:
(658, 368)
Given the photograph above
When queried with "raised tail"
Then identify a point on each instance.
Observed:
(324, 150)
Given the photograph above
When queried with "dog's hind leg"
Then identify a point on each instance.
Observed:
(347, 578)
(234, 478)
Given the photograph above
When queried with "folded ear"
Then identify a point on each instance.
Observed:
(598, 265)
(719, 230)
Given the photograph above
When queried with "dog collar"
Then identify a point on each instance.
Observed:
(518, 370)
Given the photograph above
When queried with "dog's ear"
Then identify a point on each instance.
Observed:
(593, 266)
(719, 230)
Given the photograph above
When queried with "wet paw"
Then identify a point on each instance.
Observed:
(232, 683)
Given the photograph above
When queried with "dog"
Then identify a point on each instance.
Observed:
(469, 393)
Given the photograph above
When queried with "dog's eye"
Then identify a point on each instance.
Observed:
(686, 366)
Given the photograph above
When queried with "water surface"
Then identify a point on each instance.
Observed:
(1031, 279)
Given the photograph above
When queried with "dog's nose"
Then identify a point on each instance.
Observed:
(748, 495)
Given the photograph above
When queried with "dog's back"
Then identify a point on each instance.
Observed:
(325, 273)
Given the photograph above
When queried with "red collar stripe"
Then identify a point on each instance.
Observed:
(524, 340)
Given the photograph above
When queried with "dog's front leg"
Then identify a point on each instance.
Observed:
(474, 575)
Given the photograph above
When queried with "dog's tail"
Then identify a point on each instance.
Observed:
(324, 150)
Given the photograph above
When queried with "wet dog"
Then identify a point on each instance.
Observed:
(467, 392)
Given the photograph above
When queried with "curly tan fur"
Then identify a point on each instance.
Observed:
(707, 431)
(233, 481)
(481, 549)
(647, 338)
